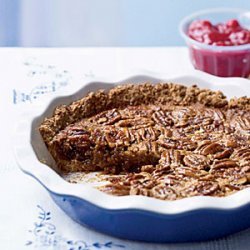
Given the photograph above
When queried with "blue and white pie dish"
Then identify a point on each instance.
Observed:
(134, 217)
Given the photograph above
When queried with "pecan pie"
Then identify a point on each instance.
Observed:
(166, 141)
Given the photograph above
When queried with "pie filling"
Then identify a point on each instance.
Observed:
(165, 141)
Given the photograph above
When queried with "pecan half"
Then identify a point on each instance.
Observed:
(208, 147)
(196, 161)
(224, 163)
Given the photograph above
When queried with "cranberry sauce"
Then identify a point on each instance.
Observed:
(222, 62)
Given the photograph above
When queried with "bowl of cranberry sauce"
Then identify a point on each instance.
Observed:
(218, 41)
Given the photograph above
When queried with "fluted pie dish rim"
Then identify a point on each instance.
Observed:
(29, 137)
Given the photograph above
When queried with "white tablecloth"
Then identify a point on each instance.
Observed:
(29, 219)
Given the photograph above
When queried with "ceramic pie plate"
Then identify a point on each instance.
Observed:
(133, 217)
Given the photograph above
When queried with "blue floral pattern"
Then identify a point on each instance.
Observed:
(44, 234)
(47, 79)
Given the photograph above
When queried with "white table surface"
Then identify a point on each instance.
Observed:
(23, 74)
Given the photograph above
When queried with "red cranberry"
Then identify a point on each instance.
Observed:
(233, 23)
(221, 27)
(240, 37)
(200, 24)
(206, 23)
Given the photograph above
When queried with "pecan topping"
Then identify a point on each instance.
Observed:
(196, 161)
(242, 125)
(208, 147)
(225, 163)
(163, 192)
(165, 141)
(224, 154)
(108, 118)
(207, 187)
(171, 158)
(162, 118)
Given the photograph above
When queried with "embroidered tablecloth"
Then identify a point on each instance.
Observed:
(29, 219)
